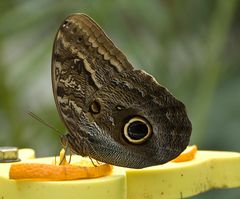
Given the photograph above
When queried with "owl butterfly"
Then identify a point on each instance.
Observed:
(113, 112)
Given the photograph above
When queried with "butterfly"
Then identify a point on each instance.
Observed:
(113, 112)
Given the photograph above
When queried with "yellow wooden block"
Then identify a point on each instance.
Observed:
(209, 169)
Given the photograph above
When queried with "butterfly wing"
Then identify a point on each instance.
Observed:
(142, 123)
(107, 106)
(83, 60)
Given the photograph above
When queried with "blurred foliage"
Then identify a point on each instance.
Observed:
(191, 47)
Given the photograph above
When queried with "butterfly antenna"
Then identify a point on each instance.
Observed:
(34, 116)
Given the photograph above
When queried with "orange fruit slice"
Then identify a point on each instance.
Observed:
(187, 155)
(65, 171)
(54, 172)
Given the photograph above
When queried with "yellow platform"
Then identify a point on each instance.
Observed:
(209, 169)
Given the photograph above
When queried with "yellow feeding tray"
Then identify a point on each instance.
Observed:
(208, 170)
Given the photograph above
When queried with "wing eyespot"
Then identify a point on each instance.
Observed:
(95, 107)
(137, 130)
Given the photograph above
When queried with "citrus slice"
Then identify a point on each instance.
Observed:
(54, 172)
(64, 171)
(187, 155)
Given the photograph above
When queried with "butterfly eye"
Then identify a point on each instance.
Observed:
(137, 130)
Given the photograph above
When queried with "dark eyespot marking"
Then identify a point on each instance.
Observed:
(137, 130)
(95, 107)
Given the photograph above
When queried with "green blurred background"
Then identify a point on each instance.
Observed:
(191, 47)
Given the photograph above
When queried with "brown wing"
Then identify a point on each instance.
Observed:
(83, 60)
